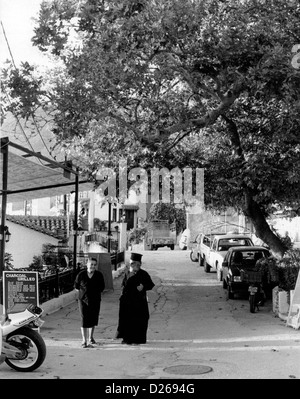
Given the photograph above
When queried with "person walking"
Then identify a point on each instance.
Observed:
(90, 284)
(133, 307)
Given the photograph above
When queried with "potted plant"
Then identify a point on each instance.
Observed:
(288, 269)
(8, 261)
(281, 275)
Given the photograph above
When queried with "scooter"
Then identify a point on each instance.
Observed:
(21, 345)
(256, 291)
(256, 296)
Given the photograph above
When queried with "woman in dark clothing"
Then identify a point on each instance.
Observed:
(90, 284)
(134, 311)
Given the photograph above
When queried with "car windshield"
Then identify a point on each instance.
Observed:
(225, 244)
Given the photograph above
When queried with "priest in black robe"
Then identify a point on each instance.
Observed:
(134, 310)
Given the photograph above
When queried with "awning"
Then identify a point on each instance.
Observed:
(39, 177)
(130, 207)
(42, 178)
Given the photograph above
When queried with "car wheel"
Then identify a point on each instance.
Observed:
(206, 266)
(252, 303)
(192, 257)
(219, 273)
(200, 260)
(230, 294)
(224, 283)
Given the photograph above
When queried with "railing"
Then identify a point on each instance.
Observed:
(56, 284)
(116, 258)
(102, 239)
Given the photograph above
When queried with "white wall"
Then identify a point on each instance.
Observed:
(25, 243)
(101, 213)
(289, 225)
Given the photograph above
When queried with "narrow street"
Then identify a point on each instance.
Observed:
(194, 333)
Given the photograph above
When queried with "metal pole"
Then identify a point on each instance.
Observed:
(4, 150)
(75, 222)
(109, 227)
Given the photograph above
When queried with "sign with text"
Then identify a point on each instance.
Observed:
(20, 289)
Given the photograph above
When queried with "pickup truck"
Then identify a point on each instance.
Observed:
(202, 244)
(161, 233)
(215, 254)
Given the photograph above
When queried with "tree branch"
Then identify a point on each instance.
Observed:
(209, 118)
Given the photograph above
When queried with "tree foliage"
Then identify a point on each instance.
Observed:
(201, 83)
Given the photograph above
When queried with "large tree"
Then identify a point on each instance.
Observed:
(202, 83)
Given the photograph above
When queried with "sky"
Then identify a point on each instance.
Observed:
(16, 18)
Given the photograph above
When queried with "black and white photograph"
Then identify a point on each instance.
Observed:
(150, 193)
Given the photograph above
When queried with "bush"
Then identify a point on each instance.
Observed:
(37, 263)
(282, 271)
(136, 235)
(8, 261)
(288, 269)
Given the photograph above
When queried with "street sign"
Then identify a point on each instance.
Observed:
(20, 288)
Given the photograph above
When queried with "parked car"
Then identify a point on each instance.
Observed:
(236, 260)
(204, 248)
(200, 247)
(219, 247)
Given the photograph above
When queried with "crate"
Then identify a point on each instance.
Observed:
(274, 276)
(251, 276)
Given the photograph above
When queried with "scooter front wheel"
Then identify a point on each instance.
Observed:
(32, 349)
(252, 303)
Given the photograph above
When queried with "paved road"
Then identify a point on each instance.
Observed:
(194, 333)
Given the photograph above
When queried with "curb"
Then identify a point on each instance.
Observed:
(55, 304)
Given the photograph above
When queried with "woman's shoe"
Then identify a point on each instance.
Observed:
(92, 341)
(84, 345)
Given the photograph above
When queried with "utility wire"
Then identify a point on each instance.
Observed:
(32, 115)
(19, 123)
(12, 58)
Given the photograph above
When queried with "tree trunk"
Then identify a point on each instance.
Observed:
(251, 208)
(262, 228)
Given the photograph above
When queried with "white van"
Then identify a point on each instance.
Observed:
(184, 241)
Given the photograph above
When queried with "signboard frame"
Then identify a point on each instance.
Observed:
(22, 294)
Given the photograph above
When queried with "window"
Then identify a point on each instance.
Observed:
(206, 241)
(225, 244)
(251, 257)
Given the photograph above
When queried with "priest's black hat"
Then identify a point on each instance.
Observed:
(136, 257)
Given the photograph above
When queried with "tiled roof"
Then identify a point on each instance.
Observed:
(55, 226)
